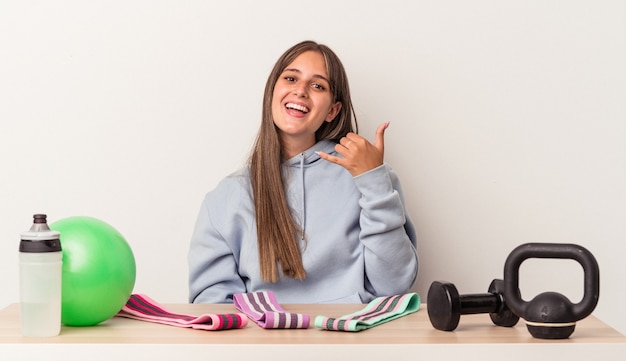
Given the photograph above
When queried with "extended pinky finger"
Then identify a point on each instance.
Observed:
(328, 157)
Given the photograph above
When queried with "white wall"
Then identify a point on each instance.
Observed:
(508, 123)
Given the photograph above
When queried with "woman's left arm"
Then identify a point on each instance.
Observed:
(387, 233)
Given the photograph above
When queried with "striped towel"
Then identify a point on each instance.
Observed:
(379, 311)
(264, 310)
(141, 307)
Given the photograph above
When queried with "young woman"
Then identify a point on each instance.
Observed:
(316, 216)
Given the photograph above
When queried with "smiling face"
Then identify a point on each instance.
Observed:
(302, 102)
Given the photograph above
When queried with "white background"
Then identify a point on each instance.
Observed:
(508, 124)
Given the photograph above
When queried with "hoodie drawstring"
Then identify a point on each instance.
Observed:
(302, 156)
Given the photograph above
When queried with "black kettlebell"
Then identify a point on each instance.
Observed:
(551, 315)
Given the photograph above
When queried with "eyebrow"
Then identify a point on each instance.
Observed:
(314, 76)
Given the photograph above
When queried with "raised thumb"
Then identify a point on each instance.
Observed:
(380, 136)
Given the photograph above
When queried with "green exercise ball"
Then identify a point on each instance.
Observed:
(98, 270)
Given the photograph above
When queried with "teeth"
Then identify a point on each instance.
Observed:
(297, 107)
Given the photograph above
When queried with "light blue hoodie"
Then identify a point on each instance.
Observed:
(359, 243)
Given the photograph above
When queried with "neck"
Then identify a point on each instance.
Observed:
(292, 147)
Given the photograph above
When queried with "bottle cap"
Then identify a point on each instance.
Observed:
(40, 238)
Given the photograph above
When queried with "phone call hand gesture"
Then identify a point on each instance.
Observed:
(359, 155)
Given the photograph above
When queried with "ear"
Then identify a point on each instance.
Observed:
(333, 111)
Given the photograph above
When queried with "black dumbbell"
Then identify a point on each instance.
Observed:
(445, 306)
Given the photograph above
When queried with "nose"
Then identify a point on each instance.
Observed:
(299, 90)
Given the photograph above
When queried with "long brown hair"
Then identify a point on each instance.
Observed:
(277, 231)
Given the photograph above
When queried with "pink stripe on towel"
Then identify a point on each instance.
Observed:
(142, 307)
(263, 309)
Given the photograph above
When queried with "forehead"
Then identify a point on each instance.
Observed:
(309, 62)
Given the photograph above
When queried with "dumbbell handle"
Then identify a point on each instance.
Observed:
(480, 303)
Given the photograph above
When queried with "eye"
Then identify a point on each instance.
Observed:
(289, 78)
(318, 86)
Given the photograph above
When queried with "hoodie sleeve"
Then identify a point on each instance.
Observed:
(387, 233)
(213, 276)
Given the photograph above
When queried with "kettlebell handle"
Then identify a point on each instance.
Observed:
(557, 251)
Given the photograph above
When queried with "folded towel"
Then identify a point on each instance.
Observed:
(141, 307)
(263, 309)
(378, 311)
